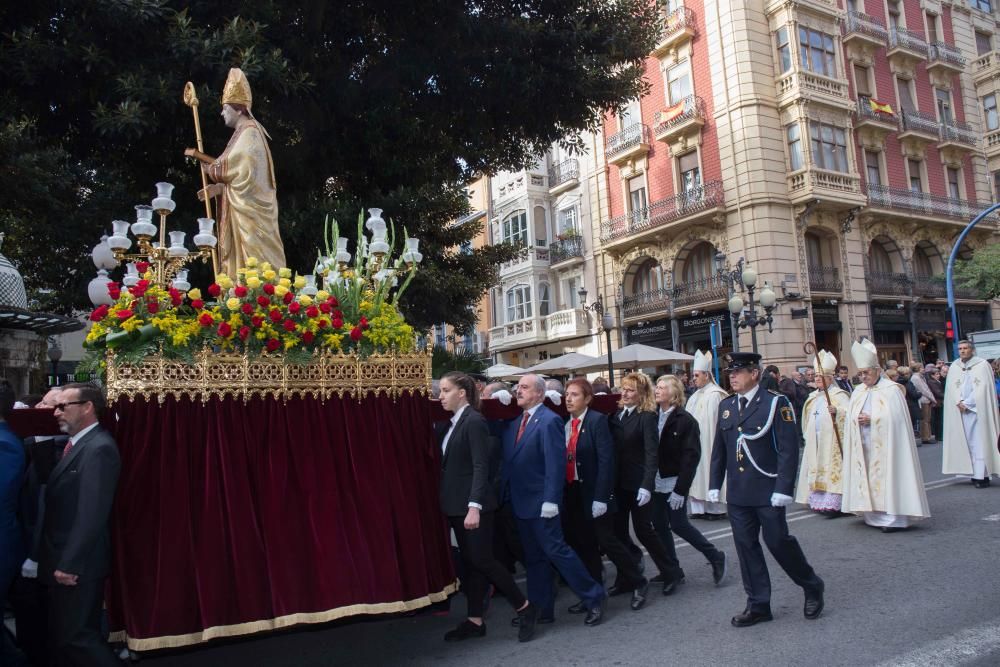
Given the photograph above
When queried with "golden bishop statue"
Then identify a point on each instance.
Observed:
(243, 180)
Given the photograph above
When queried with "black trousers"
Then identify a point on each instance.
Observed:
(476, 547)
(589, 537)
(669, 522)
(507, 546)
(642, 524)
(29, 599)
(748, 523)
(75, 625)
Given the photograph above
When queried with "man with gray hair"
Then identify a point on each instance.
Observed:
(555, 385)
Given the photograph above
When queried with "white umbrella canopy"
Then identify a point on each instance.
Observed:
(504, 372)
(636, 355)
(562, 364)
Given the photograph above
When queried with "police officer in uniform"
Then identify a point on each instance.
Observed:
(756, 452)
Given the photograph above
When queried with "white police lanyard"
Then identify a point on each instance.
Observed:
(741, 443)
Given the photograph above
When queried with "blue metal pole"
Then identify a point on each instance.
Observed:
(949, 283)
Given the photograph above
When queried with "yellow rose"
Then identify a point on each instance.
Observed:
(194, 294)
(305, 299)
(269, 274)
(285, 282)
(251, 274)
(280, 290)
(322, 295)
(233, 303)
(285, 273)
(300, 282)
(265, 266)
(223, 281)
(251, 262)
(253, 283)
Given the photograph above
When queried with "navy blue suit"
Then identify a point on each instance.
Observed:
(748, 490)
(11, 473)
(534, 472)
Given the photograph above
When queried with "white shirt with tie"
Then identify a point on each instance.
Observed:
(569, 434)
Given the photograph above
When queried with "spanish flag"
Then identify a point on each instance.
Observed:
(879, 107)
(672, 112)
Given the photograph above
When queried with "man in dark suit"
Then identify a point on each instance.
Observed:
(756, 452)
(843, 379)
(75, 553)
(533, 474)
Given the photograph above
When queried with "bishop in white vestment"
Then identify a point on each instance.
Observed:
(971, 419)
(704, 406)
(821, 468)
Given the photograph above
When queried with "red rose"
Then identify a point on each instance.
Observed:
(247, 309)
(240, 291)
(289, 325)
(326, 308)
(206, 320)
(294, 308)
(143, 284)
(125, 314)
(288, 298)
(137, 292)
(333, 301)
(244, 332)
(263, 300)
(197, 304)
(153, 307)
(312, 311)
(273, 344)
(338, 314)
(225, 330)
(338, 323)
(256, 321)
(268, 288)
(176, 301)
(321, 323)
(173, 292)
(114, 292)
(308, 337)
(214, 289)
(275, 315)
(363, 323)
(356, 334)
(99, 314)
(142, 267)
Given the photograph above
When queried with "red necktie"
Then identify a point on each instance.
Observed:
(520, 431)
(68, 447)
(571, 451)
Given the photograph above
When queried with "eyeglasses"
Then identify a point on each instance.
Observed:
(61, 407)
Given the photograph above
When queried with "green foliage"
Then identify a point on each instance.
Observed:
(982, 272)
(444, 361)
(387, 103)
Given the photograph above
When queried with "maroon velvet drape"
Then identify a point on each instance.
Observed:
(232, 513)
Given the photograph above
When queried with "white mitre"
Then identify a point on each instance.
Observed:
(703, 361)
(865, 354)
(825, 363)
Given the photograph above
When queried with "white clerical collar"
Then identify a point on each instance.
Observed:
(750, 394)
(458, 414)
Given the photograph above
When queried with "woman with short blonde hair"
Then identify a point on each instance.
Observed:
(677, 396)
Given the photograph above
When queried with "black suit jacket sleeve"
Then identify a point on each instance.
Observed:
(479, 448)
(98, 481)
(651, 445)
(605, 447)
(718, 468)
(690, 452)
(786, 440)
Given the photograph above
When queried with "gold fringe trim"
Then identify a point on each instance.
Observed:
(253, 627)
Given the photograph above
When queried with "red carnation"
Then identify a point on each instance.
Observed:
(333, 301)
(321, 323)
(288, 297)
(175, 301)
(326, 308)
(275, 315)
(268, 288)
(339, 314)
(173, 292)
(356, 334)
(289, 325)
(240, 291)
(197, 304)
(125, 314)
(225, 330)
(137, 292)
(244, 332)
(214, 289)
(273, 344)
(263, 300)
(308, 337)
(142, 267)
(99, 314)
(153, 307)
(114, 291)
(256, 321)
(312, 311)
(143, 284)
(363, 323)
(338, 323)
(206, 320)
(294, 308)
(247, 309)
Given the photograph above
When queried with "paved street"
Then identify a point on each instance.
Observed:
(927, 596)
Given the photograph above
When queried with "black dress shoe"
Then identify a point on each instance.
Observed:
(700, 517)
(981, 483)
(749, 617)
(658, 579)
(526, 623)
(719, 568)
(716, 517)
(465, 630)
(639, 596)
(578, 608)
(814, 604)
(670, 587)
(619, 589)
(892, 529)
(595, 615)
(542, 620)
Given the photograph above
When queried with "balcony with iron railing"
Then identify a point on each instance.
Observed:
(825, 279)
(905, 203)
(958, 132)
(884, 283)
(567, 249)
(686, 120)
(710, 289)
(678, 27)
(653, 302)
(944, 59)
(627, 144)
(934, 287)
(861, 27)
(706, 197)
(906, 43)
(564, 176)
(917, 126)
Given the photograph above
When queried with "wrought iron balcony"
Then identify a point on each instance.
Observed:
(564, 249)
(948, 55)
(633, 140)
(564, 173)
(647, 303)
(704, 290)
(825, 279)
(678, 25)
(867, 115)
(689, 119)
(902, 40)
(888, 284)
(958, 132)
(934, 287)
(920, 123)
(663, 212)
(883, 197)
(865, 28)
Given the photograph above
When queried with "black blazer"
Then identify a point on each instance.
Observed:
(76, 533)
(680, 449)
(43, 454)
(635, 449)
(465, 466)
(595, 461)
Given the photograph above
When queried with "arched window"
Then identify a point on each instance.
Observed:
(543, 299)
(879, 259)
(648, 278)
(518, 303)
(700, 263)
(515, 228)
(921, 263)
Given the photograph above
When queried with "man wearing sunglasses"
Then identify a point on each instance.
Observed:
(75, 552)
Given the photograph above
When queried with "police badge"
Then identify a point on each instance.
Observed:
(786, 414)
(725, 414)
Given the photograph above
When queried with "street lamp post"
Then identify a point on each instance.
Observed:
(751, 319)
(55, 354)
(732, 279)
(607, 323)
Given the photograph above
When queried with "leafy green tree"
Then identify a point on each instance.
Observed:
(374, 103)
(982, 272)
(444, 361)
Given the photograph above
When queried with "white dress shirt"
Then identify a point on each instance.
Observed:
(663, 484)
(451, 429)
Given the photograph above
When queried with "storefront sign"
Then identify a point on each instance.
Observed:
(697, 327)
(887, 317)
(826, 317)
(655, 333)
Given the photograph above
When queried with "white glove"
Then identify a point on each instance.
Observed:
(29, 569)
(643, 497)
(713, 496)
(549, 510)
(503, 396)
(780, 500)
(598, 508)
(676, 501)
(554, 396)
